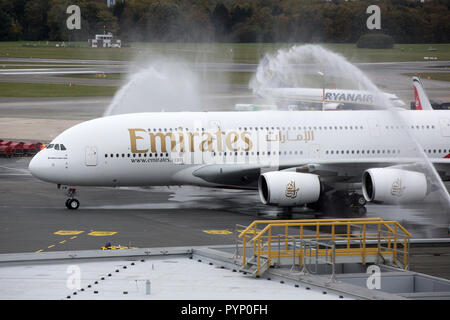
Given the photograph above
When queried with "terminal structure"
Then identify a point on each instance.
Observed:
(105, 41)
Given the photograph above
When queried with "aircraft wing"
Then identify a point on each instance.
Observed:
(229, 174)
(246, 175)
(352, 172)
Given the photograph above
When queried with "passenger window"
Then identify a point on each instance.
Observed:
(56, 146)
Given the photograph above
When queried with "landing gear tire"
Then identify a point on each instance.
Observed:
(362, 211)
(341, 204)
(361, 201)
(72, 204)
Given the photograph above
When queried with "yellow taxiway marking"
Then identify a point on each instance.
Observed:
(68, 232)
(75, 233)
(217, 231)
(101, 233)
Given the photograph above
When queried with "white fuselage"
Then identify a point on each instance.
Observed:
(166, 148)
(325, 95)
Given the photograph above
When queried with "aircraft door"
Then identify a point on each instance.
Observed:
(213, 126)
(91, 156)
(374, 127)
(445, 127)
(314, 151)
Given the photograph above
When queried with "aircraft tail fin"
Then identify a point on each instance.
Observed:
(420, 97)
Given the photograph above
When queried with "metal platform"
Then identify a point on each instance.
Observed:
(322, 241)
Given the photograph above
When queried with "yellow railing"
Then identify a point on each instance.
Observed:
(364, 237)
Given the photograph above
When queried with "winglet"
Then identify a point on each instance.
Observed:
(420, 97)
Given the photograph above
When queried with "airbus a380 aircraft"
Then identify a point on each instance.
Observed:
(292, 157)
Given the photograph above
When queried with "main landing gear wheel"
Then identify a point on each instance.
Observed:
(341, 204)
(72, 204)
(361, 211)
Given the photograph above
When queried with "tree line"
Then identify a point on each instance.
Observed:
(407, 21)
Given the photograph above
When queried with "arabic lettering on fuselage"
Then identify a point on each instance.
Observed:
(283, 137)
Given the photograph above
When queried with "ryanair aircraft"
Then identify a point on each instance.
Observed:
(322, 159)
(331, 99)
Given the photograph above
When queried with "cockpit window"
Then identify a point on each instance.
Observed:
(57, 146)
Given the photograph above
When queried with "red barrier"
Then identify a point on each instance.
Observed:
(31, 148)
(5, 151)
(17, 148)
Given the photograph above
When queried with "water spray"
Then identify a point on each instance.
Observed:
(163, 85)
(298, 67)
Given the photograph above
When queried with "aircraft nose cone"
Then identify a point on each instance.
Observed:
(39, 168)
(34, 166)
(47, 170)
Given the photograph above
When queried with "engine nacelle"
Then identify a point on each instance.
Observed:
(288, 189)
(392, 186)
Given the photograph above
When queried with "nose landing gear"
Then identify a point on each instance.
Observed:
(71, 202)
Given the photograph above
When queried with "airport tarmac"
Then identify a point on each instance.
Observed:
(33, 217)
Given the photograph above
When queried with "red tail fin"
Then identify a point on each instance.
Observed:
(417, 100)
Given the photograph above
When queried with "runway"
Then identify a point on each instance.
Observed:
(388, 76)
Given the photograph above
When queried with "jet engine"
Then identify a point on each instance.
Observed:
(392, 186)
(288, 189)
